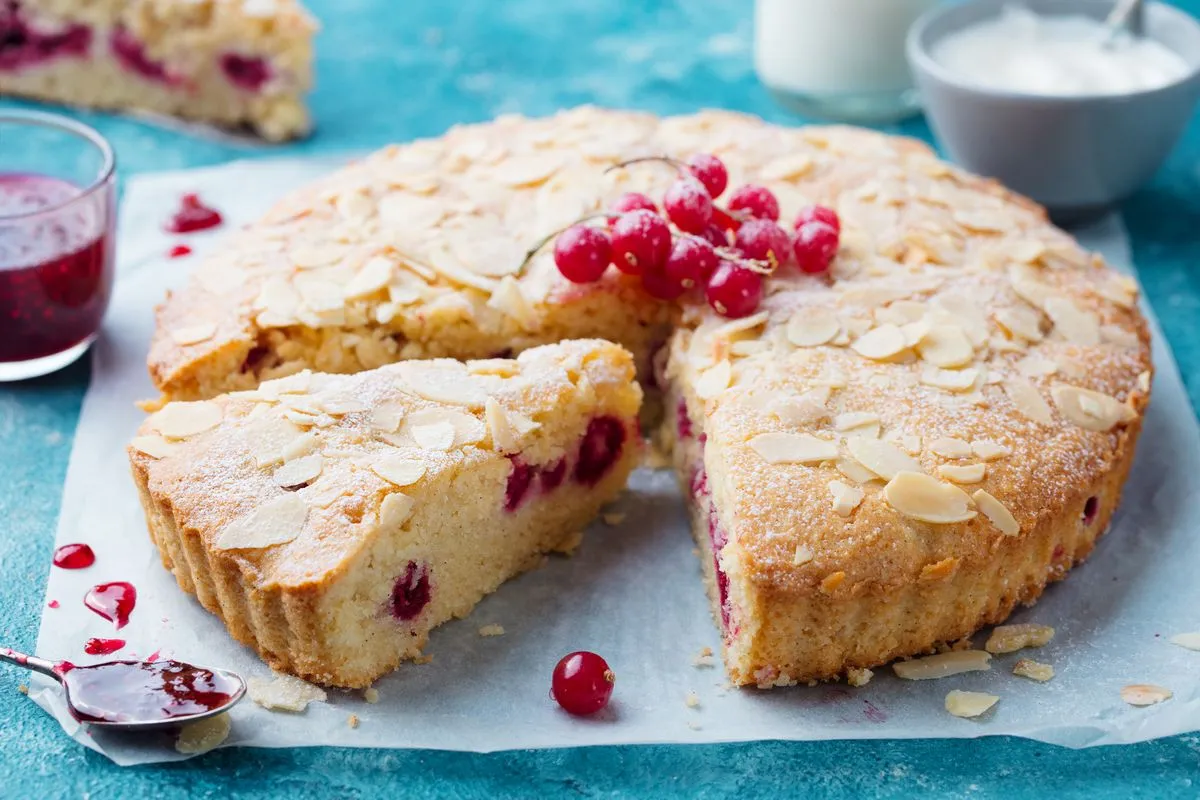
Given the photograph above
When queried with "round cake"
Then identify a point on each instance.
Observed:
(882, 458)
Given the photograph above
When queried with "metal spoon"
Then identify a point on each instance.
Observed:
(1127, 16)
(138, 695)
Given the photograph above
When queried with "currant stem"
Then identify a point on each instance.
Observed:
(679, 165)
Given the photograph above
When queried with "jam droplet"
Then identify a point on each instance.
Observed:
(193, 216)
(179, 251)
(102, 647)
(113, 601)
(125, 691)
(52, 604)
(74, 556)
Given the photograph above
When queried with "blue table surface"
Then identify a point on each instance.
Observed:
(394, 71)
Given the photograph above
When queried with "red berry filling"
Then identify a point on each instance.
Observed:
(130, 53)
(21, 45)
(551, 477)
(718, 537)
(601, 447)
(1090, 509)
(249, 73)
(683, 422)
(519, 481)
(411, 592)
(582, 683)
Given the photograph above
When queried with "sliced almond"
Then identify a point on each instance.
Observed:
(386, 417)
(949, 447)
(399, 470)
(854, 419)
(1122, 337)
(284, 693)
(276, 521)
(507, 427)
(802, 410)
(1090, 410)
(510, 299)
(181, 420)
(997, 512)
(443, 382)
(793, 448)
(269, 437)
(1145, 694)
(299, 471)
(946, 346)
(197, 738)
(969, 705)
(921, 497)
(372, 277)
(786, 168)
(1076, 325)
(713, 380)
(1028, 400)
(881, 344)
(881, 457)
(433, 436)
(193, 334)
(154, 446)
(532, 169)
(395, 510)
(855, 471)
(810, 327)
(1021, 321)
(1189, 640)
(962, 473)
(1034, 670)
(952, 380)
(943, 665)
(803, 555)
(845, 497)
(468, 429)
(988, 450)
(1033, 366)
(1011, 638)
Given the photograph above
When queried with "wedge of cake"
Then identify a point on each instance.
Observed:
(332, 521)
(233, 63)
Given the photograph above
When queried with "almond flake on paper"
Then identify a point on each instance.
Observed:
(1011, 638)
(969, 705)
(197, 738)
(491, 630)
(284, 693)
(943, 665)
(1033, 670)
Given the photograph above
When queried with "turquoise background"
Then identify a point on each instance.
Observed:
(396, 70)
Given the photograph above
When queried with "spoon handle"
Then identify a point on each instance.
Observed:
(29, 662)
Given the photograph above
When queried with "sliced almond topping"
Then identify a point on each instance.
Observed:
(1122, 337)
(1021, 321)
(1033, 366)
(337, 404)
(1011, 638)
(803, 555)
(395, 510)
(526, 170)
(297, 383)
(1189, 640)
(845, 497)
(299, 471)
(399, 470)
(969, 705)
(433, 436)
(793, 448)
(443, 382)
(786, 168)
(507, 427)
(881, 457)
(952, 380)
(882, 343)
(181, 420)
(274, 522)
(269, 437)
(1034, 670)
(386, 417)
(997, 512)
(943, 665)
(802, 410)
(949, 447)
(468, 429)
(193, 334)
(988, 450)
(298, 446)
(713, 380)
(946, 346)
(962, 473)
(373, 277)
(1076, 325)
(1143, 381)
(1120, 289)
(154, 446)
(1028, 400)
(509, 299)
(1145, 694)
(1090, 410)
(921, 497)
(812, 326)
(915, 332)
(854, 419)
(855, 471)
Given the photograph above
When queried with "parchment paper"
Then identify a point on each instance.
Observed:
(632, 592)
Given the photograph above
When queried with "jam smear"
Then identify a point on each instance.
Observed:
(599, 450)
(179, 251)
(103, 647)
(55, 268)
(249, 73)
(52, 604)
(22, 45)
(113, 601)
(127, 691)
(193, 215)
(130, 53)
(74, 556)
(411, 593)
(519, 481)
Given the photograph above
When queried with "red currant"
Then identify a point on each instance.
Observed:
(688, 205)
(734, 291)
(763, 240)
(818, 214)
(757, 201)
(582, 253)
(691, 261)
(631, 201)
(715, 236)
(641, 242)
(582, 683)
(662, 287)
(710, 171)
(814, 246)
(724, 221)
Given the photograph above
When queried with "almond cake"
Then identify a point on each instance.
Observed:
(332, 521)
(234, 63)
(882, 458)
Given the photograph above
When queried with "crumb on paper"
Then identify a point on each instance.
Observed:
(613, 518)
(704, 658)
(202, 736)
(969, 705)
(284, 693)
(1145, 694)
(492, 630)
(371, 694)
(567, 546)
(1011, 638)
(1034, 670)
(859, 677)
(693, 725)
(22, 688)
(692, 700)
(423, 659)
(352, 720)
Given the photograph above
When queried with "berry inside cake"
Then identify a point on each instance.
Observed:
(234, 63)
(333, 521)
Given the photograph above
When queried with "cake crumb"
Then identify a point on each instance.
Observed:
(423, 659)
(22, 688)
(859, 677)
(569, 544)
(492, 630)
(371, 694)
(613, 518)
(352, 720)
(1011, 638)
(202, 736)
(704, 658)
(284, 693)
(692, 700)
(1034, 670)
(693, 725)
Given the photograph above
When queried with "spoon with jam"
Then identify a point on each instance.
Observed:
(138, 695)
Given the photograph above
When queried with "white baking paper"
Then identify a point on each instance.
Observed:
(632, 592)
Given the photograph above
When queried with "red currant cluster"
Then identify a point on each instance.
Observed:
(725, 252)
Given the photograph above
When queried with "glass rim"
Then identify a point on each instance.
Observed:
(108, 166)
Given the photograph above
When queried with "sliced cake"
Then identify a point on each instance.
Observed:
(332, 521)
(234, 63)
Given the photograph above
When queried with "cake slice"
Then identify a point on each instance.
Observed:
(332, 521)
(233, 63)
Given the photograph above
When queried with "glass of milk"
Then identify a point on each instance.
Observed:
(841, 59)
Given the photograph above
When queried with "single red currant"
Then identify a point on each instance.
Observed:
(582, 253)
(631, 201)
(757, 201)
(691, 261)
(818, 214)
(734, 291)
(661, 287)
(715, 236)
(763, 240)
(582, 683)
(641, 242)
(724, 221)
(688, 205)
(710, 171)
(814, 245)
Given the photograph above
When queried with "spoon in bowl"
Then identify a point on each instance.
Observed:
(138, 695)
(1125, 18)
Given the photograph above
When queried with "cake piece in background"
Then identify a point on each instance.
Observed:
(231, 63)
